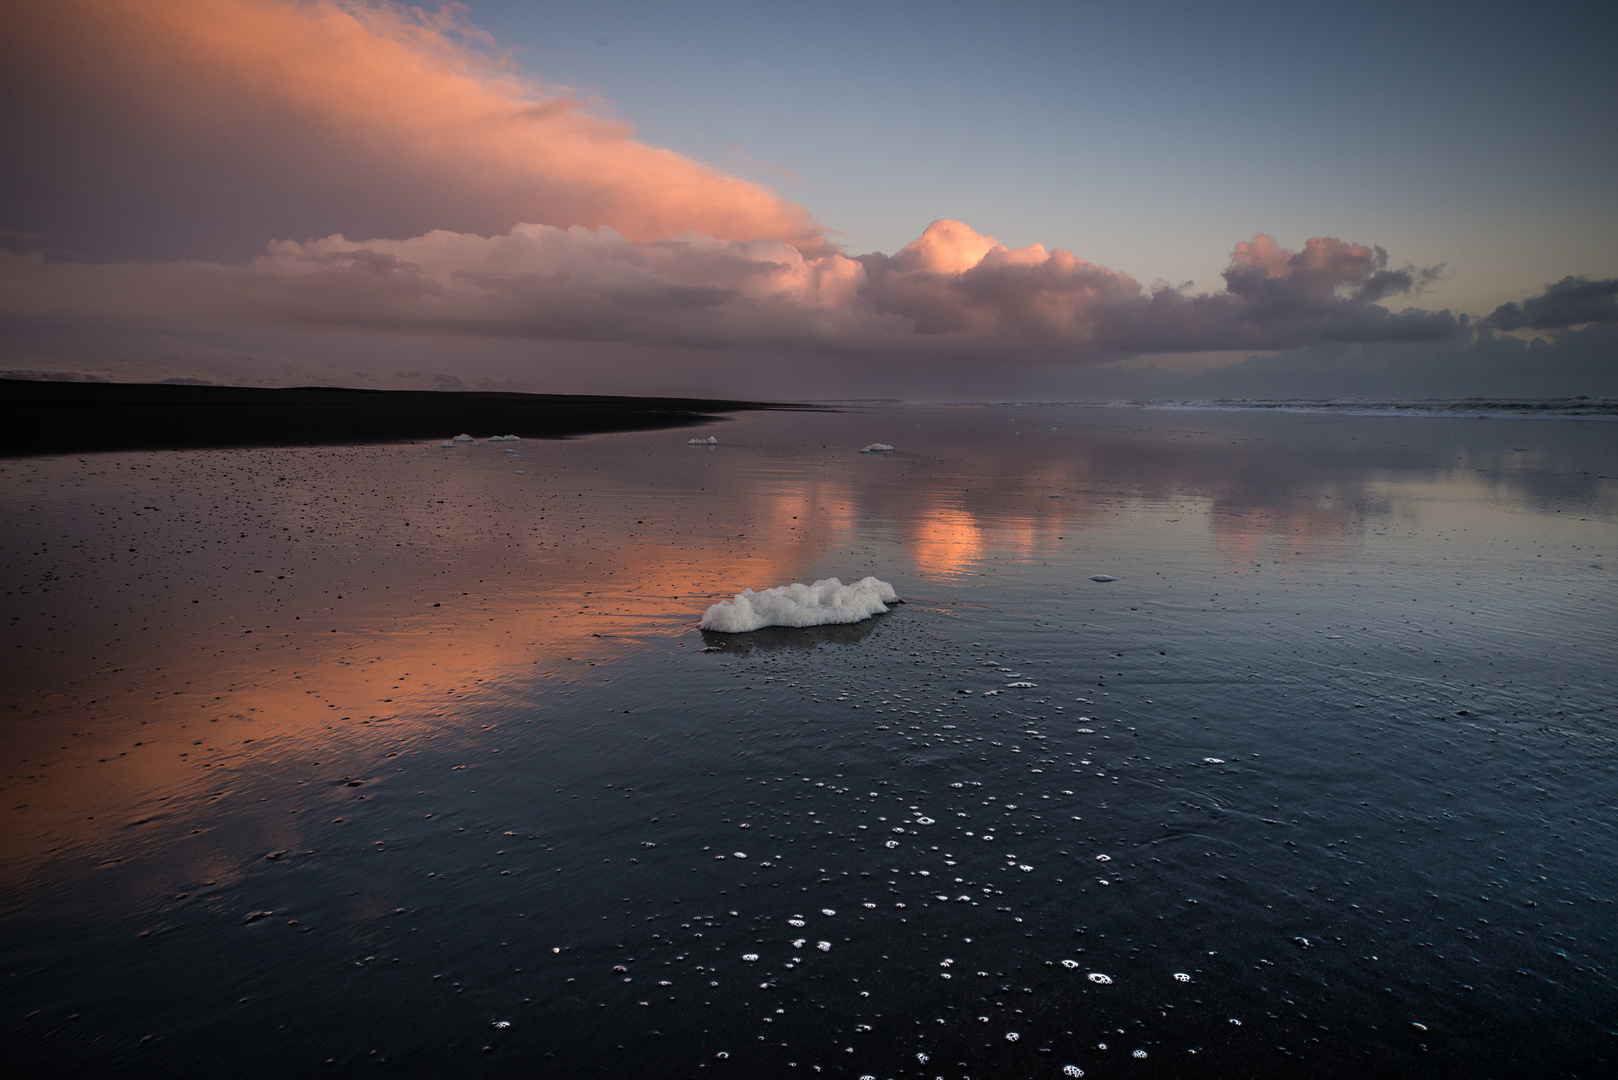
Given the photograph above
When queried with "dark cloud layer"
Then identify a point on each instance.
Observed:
(1572, 301)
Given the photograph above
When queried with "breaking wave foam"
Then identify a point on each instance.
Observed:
(821, 604)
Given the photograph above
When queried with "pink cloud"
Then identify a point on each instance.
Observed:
(337, 111)
(953, 290)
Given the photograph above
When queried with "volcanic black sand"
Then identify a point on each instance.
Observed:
(413, 761)
(62, 417)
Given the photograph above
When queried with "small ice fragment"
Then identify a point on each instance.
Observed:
(826, 602)
(1012, 1036)
(794, 921)
(750, 957)
(798, 943)
(1103, 858)
(739, 854)
(1302, 942)
(447, 444)
(893, 843)
(1024, 867)
(462, 438)
(1021, 686)
(1180, 976)
(1102, 577)
(1072, 1070)
(823, 946)
(1137, 1053)
(502, 1024)
(709, 441)
(1070, 964)
(1213, 761)
(921, 1057)
(1097, 977)
(877, 448)
(1414, 1024)
(924, 821)
(827, 911)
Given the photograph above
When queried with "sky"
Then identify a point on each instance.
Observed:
(929, 201)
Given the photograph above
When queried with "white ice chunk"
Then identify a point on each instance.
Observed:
(823, 603)
(877, 448)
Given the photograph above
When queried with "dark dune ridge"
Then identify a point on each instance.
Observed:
(63, 417)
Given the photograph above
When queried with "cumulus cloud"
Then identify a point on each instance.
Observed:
(955, 282)
(1570, 302)
(951, 290)
(199, 119)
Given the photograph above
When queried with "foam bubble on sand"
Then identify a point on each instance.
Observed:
(709, 441)
(462, 438)
(877, 448)
(824, 603)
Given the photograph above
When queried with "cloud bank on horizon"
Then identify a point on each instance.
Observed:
(953, 288)
(521, 210)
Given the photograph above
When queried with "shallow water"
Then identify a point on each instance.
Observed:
(353, 755)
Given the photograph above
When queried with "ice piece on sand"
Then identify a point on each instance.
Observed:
(447, 444)
(709, 441)
(462, 438)
(1102, 577)
(823, 603)
(505, 438)
(877, 448)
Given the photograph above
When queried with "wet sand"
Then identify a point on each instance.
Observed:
(349, 755)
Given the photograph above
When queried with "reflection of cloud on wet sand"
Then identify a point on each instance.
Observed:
(206, 627)
(240, 617)
(945, 541)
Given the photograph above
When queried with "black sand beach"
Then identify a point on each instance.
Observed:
(330, 759)
(76, 417)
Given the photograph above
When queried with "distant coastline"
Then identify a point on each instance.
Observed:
(59, 417)
(1573, 408)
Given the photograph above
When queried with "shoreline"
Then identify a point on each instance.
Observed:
(41, 418)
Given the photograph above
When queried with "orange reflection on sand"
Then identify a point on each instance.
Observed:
(945, 541)
(223, 703)
(1309, 529)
